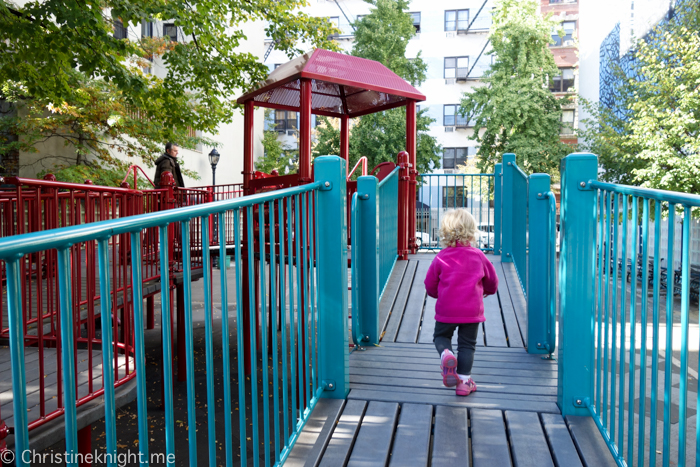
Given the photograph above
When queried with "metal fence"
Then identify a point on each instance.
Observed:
(438, 193)
(306, 278)
(627, 349)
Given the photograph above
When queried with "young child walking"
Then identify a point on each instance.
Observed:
(459, 277)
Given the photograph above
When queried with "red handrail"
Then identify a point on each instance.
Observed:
(363, 161)
(136, 169)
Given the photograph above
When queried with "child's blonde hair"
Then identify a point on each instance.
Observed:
(457, 226)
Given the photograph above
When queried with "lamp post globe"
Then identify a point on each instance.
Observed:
(213, 160)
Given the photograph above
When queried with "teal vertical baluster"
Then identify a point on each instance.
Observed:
(669, 334)
(613, 350)
(685, 321)
(253, 346)
(305, 293)
(481, 205)
(67, 354)
(283, 325)
(633, 332)
(225, 348)
(623, 331)
(300, 311)
(606, 275)
(107, 353)
(273, 327)
(263, 330)
(139, 344)
(599, 309)
(166, 328)
(240, 332)
(643, 351)
(312, 283)
(655, 335)
(538, 265)
(19, 379)
(209, 337)
(430, 210)
(189, 342)
(507, 226)
(355, 267)
(497, 205)
(292, 331)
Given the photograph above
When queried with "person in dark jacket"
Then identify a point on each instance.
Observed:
(168, 163)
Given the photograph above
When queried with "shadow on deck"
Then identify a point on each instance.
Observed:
(399, 413)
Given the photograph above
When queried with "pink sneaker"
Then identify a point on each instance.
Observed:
(464, 389)
(448, 366)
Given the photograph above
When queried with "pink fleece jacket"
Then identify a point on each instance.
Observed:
(459, 277)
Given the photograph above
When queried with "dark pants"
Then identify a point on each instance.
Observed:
(466, 342)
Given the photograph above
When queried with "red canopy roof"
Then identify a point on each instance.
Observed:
(340, 85)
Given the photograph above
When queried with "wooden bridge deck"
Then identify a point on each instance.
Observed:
(398, 413)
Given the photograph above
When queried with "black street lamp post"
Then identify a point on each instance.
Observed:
(213, 160)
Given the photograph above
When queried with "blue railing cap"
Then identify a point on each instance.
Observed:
(18, 245)
(673, 197)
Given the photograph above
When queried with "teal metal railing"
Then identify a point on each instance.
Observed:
(623, 363)
(374, 214)
(302, 361)
(438, 193)
(526, 221)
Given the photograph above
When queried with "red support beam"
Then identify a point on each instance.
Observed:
(345, 141)
(248, 156)
(404, 178)
(413, 172)
(305, 132)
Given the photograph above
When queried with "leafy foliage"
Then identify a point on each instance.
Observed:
(277, 154)
(60, 59)
(383, 36)
(657, 144)
(515, 111)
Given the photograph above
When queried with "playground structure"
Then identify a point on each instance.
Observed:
(297, 387)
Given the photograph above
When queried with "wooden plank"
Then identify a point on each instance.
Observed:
(450, 442)
(493, 326)
(413, 314)
(560, 442)
(317, 432)
(589, 442)
(390, 293)
(476, 400)
(479, 378)
(427, 327)
(505, 350)
(510, 321)
(412, 438)
(340, 445)
(418, 384)
(489, 442)
(485, 370)
(400, 361)
(517, 298)
(507, 301)
(376, 432)
(529, 446)
(394, 319)
(428, 352)
(444, 391)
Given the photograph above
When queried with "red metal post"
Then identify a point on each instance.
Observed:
(181, 361)
(305, 132)
(150, 313)
(412, 172)
(404, 179)
(85, 445)
(345, 141)
(248, 154)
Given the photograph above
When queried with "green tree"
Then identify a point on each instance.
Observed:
(652, 139)
(383, 36)
(276, 154)
(60, 59)
(514, 111)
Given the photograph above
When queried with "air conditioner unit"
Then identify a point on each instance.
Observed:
(291, 132)
(462, 31)
(462, 78)
(449, 34)
(568, 43)
(448, 171)
(449, 81)
(449, 129)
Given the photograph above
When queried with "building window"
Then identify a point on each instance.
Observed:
(285, 120)
(454, 196)
(454, 157)
(456, 20)
(120, 31)
(563, 82)
(359, 17)
(448, 115)
(569, 29)
(567, 122)
(416, 21)
(456, 67)
(170, 30)
(146, 29)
